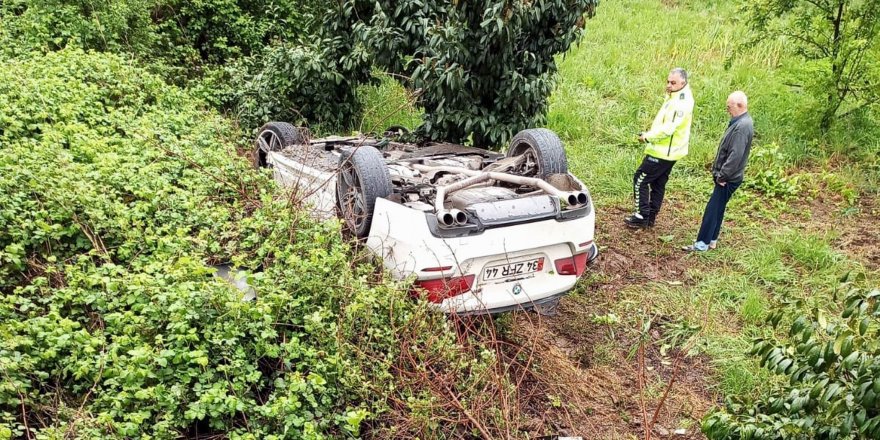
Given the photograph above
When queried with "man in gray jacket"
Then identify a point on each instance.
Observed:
(727, 171)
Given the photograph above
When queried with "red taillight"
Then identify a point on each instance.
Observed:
(438, 290)
(574, 265)
(437, 269)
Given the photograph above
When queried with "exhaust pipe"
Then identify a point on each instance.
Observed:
(453, 217)
(460, 218)
(446, 218)
(576, 198)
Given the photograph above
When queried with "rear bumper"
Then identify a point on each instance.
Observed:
(401, 238)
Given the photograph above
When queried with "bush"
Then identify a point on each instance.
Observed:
(180, 37)
(116, 191)
(767, 173)
(484, 70)
(833, 366)
(304, 85)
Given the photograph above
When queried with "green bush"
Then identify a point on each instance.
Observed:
(304, 85)
(116, 191)
(767, 173)
(483, 70)
(833, 391)
(179, 37)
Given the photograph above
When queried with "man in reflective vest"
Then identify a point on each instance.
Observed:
(665, 143)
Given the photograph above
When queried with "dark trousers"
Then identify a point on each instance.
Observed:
(714, 213)
(649, 185)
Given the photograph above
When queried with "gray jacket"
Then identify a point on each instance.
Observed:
(733, 153)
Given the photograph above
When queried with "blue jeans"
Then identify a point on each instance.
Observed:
(713, 216)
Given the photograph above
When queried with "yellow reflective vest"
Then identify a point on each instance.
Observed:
(671, 130)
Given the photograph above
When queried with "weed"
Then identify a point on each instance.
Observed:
(754, 307)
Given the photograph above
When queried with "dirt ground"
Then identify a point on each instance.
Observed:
(605, 400)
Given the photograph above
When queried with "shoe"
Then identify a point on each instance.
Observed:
(713, 244)
(695, 248)
(636, 221)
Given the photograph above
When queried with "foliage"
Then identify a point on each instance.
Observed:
(52, 24)
(313, 83)
(767, 173)
(178, 35)
(116, 190)
(833, 390)
(483, 70)
(837, 39)
(297, 84)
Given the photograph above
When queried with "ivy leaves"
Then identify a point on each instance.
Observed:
(833, 371)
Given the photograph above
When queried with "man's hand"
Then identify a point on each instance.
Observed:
(720, 183)
(642, 139)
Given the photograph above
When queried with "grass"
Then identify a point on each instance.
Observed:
(772, 249)
(611, 85)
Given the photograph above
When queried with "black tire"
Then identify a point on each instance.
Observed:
(276, 136)
(545, 150)
(362, 178)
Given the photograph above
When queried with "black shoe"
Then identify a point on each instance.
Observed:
(637, 222)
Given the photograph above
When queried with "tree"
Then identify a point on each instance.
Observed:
(833, 387)
(482, 69)
(838, 41)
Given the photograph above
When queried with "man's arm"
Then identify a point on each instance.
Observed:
(737, 142)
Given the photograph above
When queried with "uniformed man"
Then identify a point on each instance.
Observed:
(665, 143)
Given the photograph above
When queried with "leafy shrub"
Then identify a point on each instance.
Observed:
(295, 83)
(833, 366)
(767, 173)
(115, 191)
(53, 24)
(484, 70)
(179, 36)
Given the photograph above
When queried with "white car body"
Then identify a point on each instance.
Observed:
(406, 236)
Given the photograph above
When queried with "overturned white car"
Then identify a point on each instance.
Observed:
(480, 232)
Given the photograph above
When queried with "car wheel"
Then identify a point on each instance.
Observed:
(544, 152)
(363, 177)
(275, 136)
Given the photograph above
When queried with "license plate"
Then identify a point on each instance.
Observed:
(513, 269)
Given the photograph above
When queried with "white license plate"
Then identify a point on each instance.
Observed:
(513, 269)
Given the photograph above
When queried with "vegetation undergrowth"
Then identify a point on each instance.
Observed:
(118, 194)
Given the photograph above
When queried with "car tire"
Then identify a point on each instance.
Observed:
(276, 136)
(545, 150)
(363, 177)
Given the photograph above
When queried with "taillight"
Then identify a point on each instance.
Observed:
(440, 289)
(574, 265)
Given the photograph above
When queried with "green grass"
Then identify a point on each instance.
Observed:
(386, 104)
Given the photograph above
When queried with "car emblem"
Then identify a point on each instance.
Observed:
(517, 289)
